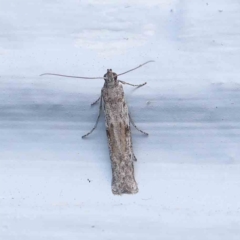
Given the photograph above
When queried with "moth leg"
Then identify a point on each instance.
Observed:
(95, 101)
(139, 85)
(100, 110)
(134, 158)
(136, 126)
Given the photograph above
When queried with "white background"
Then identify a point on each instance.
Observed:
(54, 185)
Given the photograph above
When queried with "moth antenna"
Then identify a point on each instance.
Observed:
(55, 74)
(135, 68)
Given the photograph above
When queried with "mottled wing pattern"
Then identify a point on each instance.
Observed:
(119, 140)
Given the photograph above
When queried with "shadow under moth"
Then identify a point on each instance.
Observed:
(117, 121)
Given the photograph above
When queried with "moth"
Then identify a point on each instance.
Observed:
(117, 121)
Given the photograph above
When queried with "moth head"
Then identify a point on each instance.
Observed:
(110, 77)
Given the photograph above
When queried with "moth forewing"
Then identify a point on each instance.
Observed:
(119, 139)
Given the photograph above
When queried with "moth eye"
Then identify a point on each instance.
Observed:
(110, 69)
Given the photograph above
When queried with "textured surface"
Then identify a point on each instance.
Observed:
(119, 139)
(54, 185)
